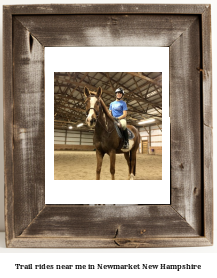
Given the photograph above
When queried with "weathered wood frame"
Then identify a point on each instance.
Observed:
(186, 30)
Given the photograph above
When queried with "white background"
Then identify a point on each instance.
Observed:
(201, 255)
(67, 59)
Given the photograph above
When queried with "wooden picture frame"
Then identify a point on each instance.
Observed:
(186, 30)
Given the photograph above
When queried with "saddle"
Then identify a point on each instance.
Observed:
(120, 131)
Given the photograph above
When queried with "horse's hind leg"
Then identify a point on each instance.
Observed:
(132, 164)
(127, 157)
(112, 164)
(99, 157)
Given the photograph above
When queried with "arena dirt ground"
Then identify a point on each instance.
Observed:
(81, 165)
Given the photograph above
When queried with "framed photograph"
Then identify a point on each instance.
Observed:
(74, 151)
(57, 45)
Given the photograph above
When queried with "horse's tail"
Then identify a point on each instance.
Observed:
(134, 169)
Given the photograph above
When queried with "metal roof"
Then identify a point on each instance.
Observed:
(143, 95)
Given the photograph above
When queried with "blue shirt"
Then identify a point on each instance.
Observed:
(117, 108)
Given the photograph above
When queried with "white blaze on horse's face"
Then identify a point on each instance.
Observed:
(91, 117)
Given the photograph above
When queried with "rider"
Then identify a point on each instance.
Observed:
(118, 109)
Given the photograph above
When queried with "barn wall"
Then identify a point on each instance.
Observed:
(154, 141)
(78, 138)
(73, 137)
(59, 136)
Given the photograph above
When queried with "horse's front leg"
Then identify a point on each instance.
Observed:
(112, 164)
(99, 157)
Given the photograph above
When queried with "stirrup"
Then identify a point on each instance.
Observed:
(126, 145)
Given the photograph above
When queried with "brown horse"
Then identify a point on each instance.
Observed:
(106, 138)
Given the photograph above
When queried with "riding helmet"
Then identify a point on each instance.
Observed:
(119, 90)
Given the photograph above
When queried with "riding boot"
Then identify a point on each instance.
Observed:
(126, 141)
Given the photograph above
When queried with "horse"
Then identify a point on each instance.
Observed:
(106, 138)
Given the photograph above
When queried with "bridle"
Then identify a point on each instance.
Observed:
(97, 114)
(88, 110)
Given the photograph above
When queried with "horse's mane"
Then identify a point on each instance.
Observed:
(106, 109)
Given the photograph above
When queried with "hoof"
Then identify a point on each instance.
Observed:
(131, 177)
